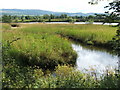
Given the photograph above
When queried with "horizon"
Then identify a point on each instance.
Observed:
(46, 10)
(69, 6)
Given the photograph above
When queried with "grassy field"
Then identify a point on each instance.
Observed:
(38, 45)
(90, 34)
(31, 50)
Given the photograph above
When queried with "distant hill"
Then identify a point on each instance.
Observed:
(38, 12)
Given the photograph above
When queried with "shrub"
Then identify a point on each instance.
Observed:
(14, 25)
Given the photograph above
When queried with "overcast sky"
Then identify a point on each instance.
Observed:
(55, 5)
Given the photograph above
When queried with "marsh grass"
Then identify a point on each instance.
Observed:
(30, 49)
(6, 26)
(90, 34)
(38, 46)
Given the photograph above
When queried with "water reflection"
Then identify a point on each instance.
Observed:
(96, 23)
(93, 59)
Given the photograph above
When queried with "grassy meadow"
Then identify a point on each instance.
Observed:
(31, 51)
(38, 45)
(97, 35)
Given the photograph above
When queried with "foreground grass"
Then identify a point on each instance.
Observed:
(62, 77)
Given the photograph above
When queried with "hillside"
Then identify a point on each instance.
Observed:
(39, 12)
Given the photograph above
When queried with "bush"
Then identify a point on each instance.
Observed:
(14, 25)
(110, 80)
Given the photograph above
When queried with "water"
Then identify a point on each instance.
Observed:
(96, 23)
(95, 60)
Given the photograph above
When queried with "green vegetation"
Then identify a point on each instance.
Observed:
(90, 34)
(32, 45)
(30, 52)
(36, 56)
(6, 19)
(61, 18)
(62, 77)
(113, 14)
(6, 27)
(116, 43)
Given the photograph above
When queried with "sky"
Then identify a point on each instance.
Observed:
(55, 5)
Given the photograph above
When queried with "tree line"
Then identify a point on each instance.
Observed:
(61, 18)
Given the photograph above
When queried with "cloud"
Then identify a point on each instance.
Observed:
(54, 5)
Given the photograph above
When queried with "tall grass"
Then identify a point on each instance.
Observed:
(63, 77)
(29, 49)
(41, 43)
(6, 26)
(97, 34)
(38, 46)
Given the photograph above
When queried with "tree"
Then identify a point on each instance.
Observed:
(114, 6)
(52, 16)
(6, 19)
(63, 16)
(22, 18)
(46, 16)
(114, 10)
(110, 18)
(71, 20)
(27, 17)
